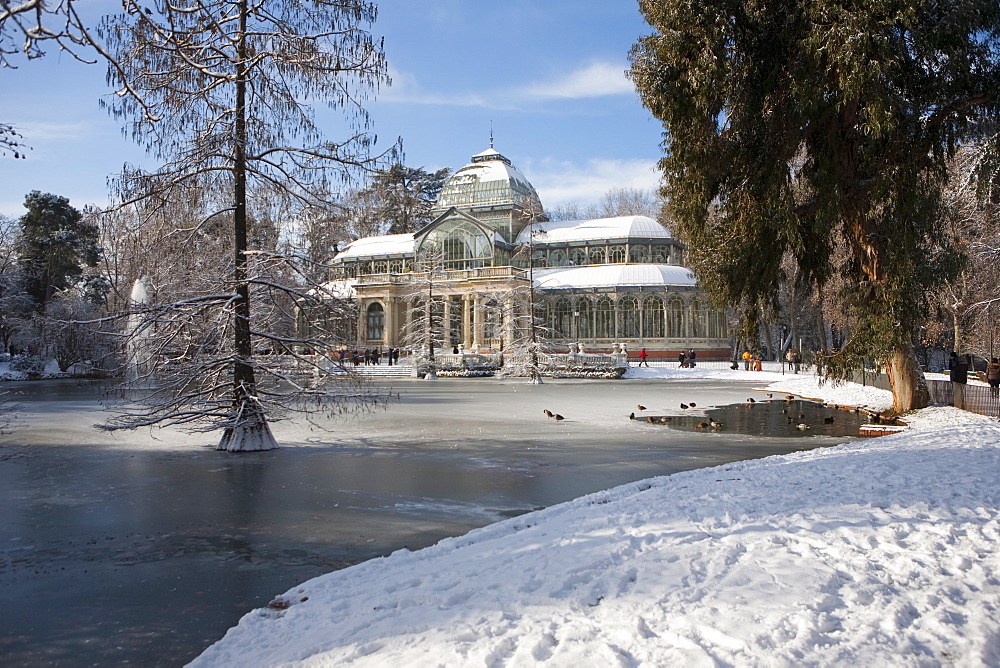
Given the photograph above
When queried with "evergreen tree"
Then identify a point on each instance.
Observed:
(54, 245)
(405, 195)
(821, 129)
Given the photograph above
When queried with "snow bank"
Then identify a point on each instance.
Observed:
(881, 551)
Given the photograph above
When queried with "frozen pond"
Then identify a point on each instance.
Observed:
(127, 548)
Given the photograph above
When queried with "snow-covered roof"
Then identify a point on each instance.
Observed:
(619, 275)
(619, 227)
(342, 289)
(489, 179)
(389, 244)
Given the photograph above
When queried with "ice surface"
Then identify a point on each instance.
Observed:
(877, 552)
(162, 543)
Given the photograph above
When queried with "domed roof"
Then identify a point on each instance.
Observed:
(618, 227)
(490, 179)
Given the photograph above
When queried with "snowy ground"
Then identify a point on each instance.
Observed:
(878, 552)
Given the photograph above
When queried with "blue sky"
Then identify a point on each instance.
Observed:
(548, 75)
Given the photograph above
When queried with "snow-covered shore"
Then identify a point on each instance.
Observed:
(878, 552)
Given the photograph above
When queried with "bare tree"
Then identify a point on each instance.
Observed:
(73, 331)
(424, 326)
(217, 90)
(615, 202)
(515, 315)
(972, 219)
(25, 25)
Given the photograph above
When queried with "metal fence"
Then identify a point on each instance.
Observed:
(980, 399)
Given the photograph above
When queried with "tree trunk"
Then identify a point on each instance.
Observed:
(821, 330)
(249, 430)
(956, 323)
(768, 341)
(909, 388)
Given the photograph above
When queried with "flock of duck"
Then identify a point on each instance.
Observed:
(714, 425)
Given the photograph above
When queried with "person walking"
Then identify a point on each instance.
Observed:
(682, 358)
(993, 376)
(747, 356)
(642, 357)
(692, 356)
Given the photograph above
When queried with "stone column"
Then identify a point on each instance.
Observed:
(466, 322)
(391, 322)
(477, 323)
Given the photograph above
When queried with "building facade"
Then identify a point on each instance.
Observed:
(596, 284)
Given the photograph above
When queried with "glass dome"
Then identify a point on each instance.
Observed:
(489, 180)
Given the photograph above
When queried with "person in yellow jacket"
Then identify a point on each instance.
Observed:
(746, 360)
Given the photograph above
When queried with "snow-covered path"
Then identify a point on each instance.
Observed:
(880, 552)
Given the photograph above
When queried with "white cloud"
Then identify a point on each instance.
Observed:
(560, 182)
(595, 80)
(36, 131)
(599, 79)
(406, 88)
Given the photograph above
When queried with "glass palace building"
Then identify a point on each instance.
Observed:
(597, 282)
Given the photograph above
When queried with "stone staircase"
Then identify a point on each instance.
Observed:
(385, 371)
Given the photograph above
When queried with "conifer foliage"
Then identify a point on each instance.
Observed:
(54, 245)
(820, 129)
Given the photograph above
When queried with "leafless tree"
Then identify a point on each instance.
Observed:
(424, 326)
(970, 302)
(512, 311)
(615, 202)
(219, 91)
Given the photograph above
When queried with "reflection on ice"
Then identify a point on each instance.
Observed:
(162, 543)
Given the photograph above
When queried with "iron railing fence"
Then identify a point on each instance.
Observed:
(980, 399)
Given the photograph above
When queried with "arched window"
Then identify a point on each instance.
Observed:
(563, 317)
(455, 321)
(395, 266)
(462, 244)
(638, 254)
(699, 319)
(584, 321)
(604, 319)
(544, 315)
(597, 255)
(376, 321)
(617, 255)
(492, 319)
(578, 257)
(675, 318)
(676, 256)
(628, 318)
(558, 258)
(652, 318)
(379, 266)
(661, 254)
(717, 326)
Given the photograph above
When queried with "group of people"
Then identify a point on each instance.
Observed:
(959, 366)
(369, 357)
(751, 361)
(687, 361)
